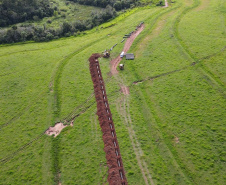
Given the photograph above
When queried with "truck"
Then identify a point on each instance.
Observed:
(122, 54)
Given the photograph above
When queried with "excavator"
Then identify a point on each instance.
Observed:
(106, 54)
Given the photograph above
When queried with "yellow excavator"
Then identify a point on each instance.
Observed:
(106, 54)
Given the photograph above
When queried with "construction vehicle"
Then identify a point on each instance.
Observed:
(121, 66)
(122, 54)
(106, 54)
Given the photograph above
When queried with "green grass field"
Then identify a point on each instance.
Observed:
(171, 128)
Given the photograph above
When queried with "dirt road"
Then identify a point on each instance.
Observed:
(166, 4)
(114, 63)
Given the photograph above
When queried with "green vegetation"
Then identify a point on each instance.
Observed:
(14, 11)
(171, 127)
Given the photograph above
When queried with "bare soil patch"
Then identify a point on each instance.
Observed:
(125, 90)
(56, 130)
(176, 139)
(114, 63)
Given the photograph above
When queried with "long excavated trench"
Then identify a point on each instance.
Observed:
(116, 172)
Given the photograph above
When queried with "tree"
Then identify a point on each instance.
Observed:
(66, 27)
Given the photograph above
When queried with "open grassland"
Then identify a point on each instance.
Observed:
(171, 128)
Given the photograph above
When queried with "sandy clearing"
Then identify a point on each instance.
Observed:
(56, 130)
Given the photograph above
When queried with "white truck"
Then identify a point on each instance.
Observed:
(122, 54)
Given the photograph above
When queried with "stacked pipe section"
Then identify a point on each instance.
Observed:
(116, 172)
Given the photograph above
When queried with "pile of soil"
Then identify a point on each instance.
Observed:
(116, 173)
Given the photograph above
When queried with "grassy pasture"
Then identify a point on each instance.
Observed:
(177, 113)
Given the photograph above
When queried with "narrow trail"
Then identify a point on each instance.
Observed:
(166, 4)
(114, 63)
(124, 110)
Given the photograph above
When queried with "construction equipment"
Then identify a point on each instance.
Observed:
(122, 54)
(122, 40)
(106, 54)
(121, 66)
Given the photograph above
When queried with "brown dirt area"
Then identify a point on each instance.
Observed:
(125, 90)
(176, 139)
(56, 130)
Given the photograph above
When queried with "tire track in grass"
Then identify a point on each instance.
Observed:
(56, 77)
(193, 58)
(125, 113)
(18, 115)
(149, 107)
(22, 148)
(124, 107)
(154, 30)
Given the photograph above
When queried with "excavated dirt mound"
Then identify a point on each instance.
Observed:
(116, 173)
(114, 63)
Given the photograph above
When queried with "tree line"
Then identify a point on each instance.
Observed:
(117, 4)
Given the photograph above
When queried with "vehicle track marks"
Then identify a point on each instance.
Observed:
(18, 115)
(57, 74)
(124, 110)
(205, 70)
